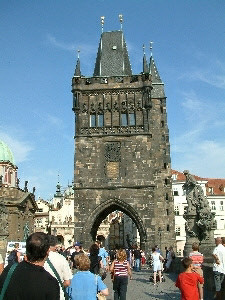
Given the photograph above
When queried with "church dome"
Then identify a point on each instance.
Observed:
(5, 153)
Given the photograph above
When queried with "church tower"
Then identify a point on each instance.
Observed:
(122, 151)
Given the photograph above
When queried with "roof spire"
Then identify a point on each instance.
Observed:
(102, 22)
(152, 68)
(145, 64)
(77, 72)
(121, 21)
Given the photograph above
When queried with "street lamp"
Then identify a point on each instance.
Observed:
(160, 237)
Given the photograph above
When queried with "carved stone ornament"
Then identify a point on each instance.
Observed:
(4, 220)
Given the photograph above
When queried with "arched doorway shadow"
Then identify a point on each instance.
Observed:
(104, 209)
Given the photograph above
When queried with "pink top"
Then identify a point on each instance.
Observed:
(197, 259)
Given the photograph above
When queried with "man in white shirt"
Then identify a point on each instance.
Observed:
(60, 264)
(219, 266)
(1, 264)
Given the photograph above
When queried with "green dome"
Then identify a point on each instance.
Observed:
(6, 153)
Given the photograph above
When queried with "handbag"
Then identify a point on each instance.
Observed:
(66, 295)
(99, 295)
(7, 280)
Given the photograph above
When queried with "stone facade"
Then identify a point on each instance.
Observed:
(17, 209)
(122, 152)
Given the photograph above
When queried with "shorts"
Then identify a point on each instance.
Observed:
(218, 278)
(157, 267)
(200, 272)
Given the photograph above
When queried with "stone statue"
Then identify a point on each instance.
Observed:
(18, 183)
(198, 207)
(25, 186)
(26, 232)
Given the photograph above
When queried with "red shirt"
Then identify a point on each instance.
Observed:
(187, 283)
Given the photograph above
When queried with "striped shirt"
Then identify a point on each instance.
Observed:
(120, 269)
(197, 259)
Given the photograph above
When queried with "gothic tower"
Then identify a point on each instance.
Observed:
(122, 151)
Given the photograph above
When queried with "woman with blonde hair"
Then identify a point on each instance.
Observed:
(121, 269)
(85, 284)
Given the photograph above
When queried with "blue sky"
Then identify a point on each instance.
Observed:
(39, 40)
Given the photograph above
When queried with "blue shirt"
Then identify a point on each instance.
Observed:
(104, 254)
(84, 286)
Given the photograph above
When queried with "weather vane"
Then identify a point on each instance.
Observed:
(78, 53)
(102, 22)
(151, 43)
(121, 21)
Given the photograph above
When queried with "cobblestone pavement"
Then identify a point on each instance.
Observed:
(140, 288)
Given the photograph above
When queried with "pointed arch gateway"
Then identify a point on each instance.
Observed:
(103, 210)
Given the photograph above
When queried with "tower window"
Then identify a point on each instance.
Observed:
(124, 119)
(168, 228)
(213, 205)
(93, 120)
(100, 120)
(132, 119)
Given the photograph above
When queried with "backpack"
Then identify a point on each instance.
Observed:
(12, 258)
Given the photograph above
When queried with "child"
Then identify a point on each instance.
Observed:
(188, 280)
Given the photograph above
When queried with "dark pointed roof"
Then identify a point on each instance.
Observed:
(77, 69)
(145, 65)
(157, 84)
(154, 72)
(112, 57)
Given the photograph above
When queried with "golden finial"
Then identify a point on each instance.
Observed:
(102, 22)
(121, 21)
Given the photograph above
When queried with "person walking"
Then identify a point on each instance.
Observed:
(77, 247)
(219, 266)
(156, 264)
(121, 269)
(30, 280)
(58, 266)
(170, 257)
(85, 285)
(137, 259)
(95, 259)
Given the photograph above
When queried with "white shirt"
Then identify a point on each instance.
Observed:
(1, 259)
(62, 267)
(219, 251)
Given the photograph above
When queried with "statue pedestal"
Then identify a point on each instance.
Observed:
(191, 233)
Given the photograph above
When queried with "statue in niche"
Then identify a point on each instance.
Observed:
(115, 106)
(198, 208)
(108, 106)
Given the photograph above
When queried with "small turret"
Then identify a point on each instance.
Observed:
(77, 72)
(145, 64)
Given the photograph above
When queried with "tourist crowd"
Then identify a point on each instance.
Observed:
(49, 271)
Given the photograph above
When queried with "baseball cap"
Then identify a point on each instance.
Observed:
(77, 244)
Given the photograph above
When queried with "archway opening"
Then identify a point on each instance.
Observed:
(118, 230)
(116, 215)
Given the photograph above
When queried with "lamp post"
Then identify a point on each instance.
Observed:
(160, 237)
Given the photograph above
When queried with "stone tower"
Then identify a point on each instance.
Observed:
(122, 151)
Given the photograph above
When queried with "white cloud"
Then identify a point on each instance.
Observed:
(21, 149)
(61, 45)
(206, 76)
